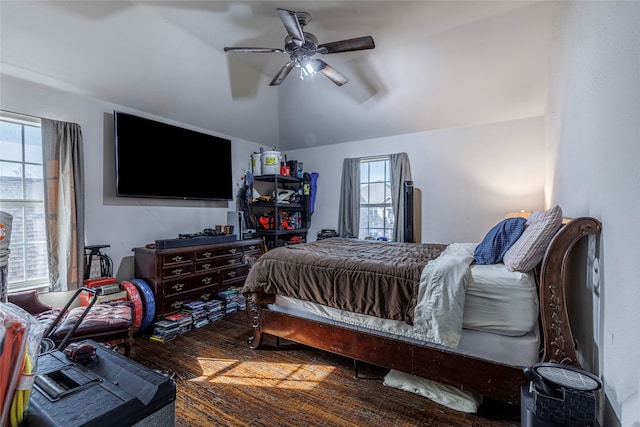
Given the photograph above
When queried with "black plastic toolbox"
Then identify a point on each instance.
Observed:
(106, 390)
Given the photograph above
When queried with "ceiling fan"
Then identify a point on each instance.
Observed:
(302, 46)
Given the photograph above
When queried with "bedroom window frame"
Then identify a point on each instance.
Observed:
(368, 230)
(28, 235)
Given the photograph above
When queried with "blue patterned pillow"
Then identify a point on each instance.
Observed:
(498, 240)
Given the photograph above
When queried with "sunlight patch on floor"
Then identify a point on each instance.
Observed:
(263, 374)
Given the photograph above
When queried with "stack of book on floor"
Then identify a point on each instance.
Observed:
(230, 299)
(165, 330)
(185, 322)
(198, 313)
(242, 300)
(214, 310)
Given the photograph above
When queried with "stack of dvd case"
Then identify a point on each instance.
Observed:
(165, 330)
(198, 313)
(185, 322)
(214, 310)
(239, 298)
(230, 299)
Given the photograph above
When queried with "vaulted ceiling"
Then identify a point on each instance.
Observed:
(436, 64)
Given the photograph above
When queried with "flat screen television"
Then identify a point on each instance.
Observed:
(160, 160)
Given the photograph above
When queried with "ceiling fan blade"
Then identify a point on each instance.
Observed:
(282, 74)
(291, 23)
(359, 43)
(253, 49)
(329, 72)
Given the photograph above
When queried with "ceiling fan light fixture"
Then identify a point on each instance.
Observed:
(301, 46)
(310, 68)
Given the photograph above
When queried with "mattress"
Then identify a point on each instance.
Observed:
(497, 300)
(500, 301)
(499, 320)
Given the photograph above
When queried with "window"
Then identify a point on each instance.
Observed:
(22, 196)
(376, 210)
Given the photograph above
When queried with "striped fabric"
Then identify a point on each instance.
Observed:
(529, 249)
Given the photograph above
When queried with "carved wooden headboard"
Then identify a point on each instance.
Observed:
(558, 341)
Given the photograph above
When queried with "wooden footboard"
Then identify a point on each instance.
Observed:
(489, 378)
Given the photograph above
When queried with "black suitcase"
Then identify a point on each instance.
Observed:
(106, 389)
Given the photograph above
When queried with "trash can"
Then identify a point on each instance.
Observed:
(558, 395)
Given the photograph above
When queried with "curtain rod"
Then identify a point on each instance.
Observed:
(19, 116)
(372, 158)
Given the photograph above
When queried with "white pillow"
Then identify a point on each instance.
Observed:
(530, 247)
(449, 396)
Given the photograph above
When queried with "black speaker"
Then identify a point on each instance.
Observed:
(408, 217)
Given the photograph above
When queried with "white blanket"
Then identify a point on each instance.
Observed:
(439, 310)
(443, 286)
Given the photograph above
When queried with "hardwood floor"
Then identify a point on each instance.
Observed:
(221, 382)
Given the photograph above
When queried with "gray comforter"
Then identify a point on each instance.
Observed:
(369, 277)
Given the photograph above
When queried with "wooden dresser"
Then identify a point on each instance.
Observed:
(181, 275)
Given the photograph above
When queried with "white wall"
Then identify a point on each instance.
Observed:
(594, 169)
(469, 177)
(123, 223)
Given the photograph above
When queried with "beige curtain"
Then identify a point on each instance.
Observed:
(64, 203)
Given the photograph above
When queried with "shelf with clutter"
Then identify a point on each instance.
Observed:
(281, 199)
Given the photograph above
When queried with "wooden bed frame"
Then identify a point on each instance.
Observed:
(489, 378)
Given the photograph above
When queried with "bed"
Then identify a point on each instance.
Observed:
(475, 331)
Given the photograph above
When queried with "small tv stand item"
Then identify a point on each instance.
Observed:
(191, 273)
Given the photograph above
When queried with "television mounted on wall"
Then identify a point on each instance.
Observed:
(159, 160)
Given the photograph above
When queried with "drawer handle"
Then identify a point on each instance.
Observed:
(177, 304)
(253, 247)
(232, 273)
(178, 287)
(206, 254)
(206, 280)
(233, 250)
(177, 258)
(205, 296)
(206, 266)
(177, 271)
(233, 261)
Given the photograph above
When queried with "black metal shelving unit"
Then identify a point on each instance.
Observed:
(279, 236)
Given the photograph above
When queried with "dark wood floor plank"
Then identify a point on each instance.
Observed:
(221, 382)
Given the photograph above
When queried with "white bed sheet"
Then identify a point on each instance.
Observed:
(500, 301)
(512, 350)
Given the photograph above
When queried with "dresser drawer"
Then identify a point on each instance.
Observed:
(253, 248)
(217, 263)
(188, 284)
(205, 266)
(234, 273)
(179, 258)
(177, 271)
(210, 253)
(176, 302)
